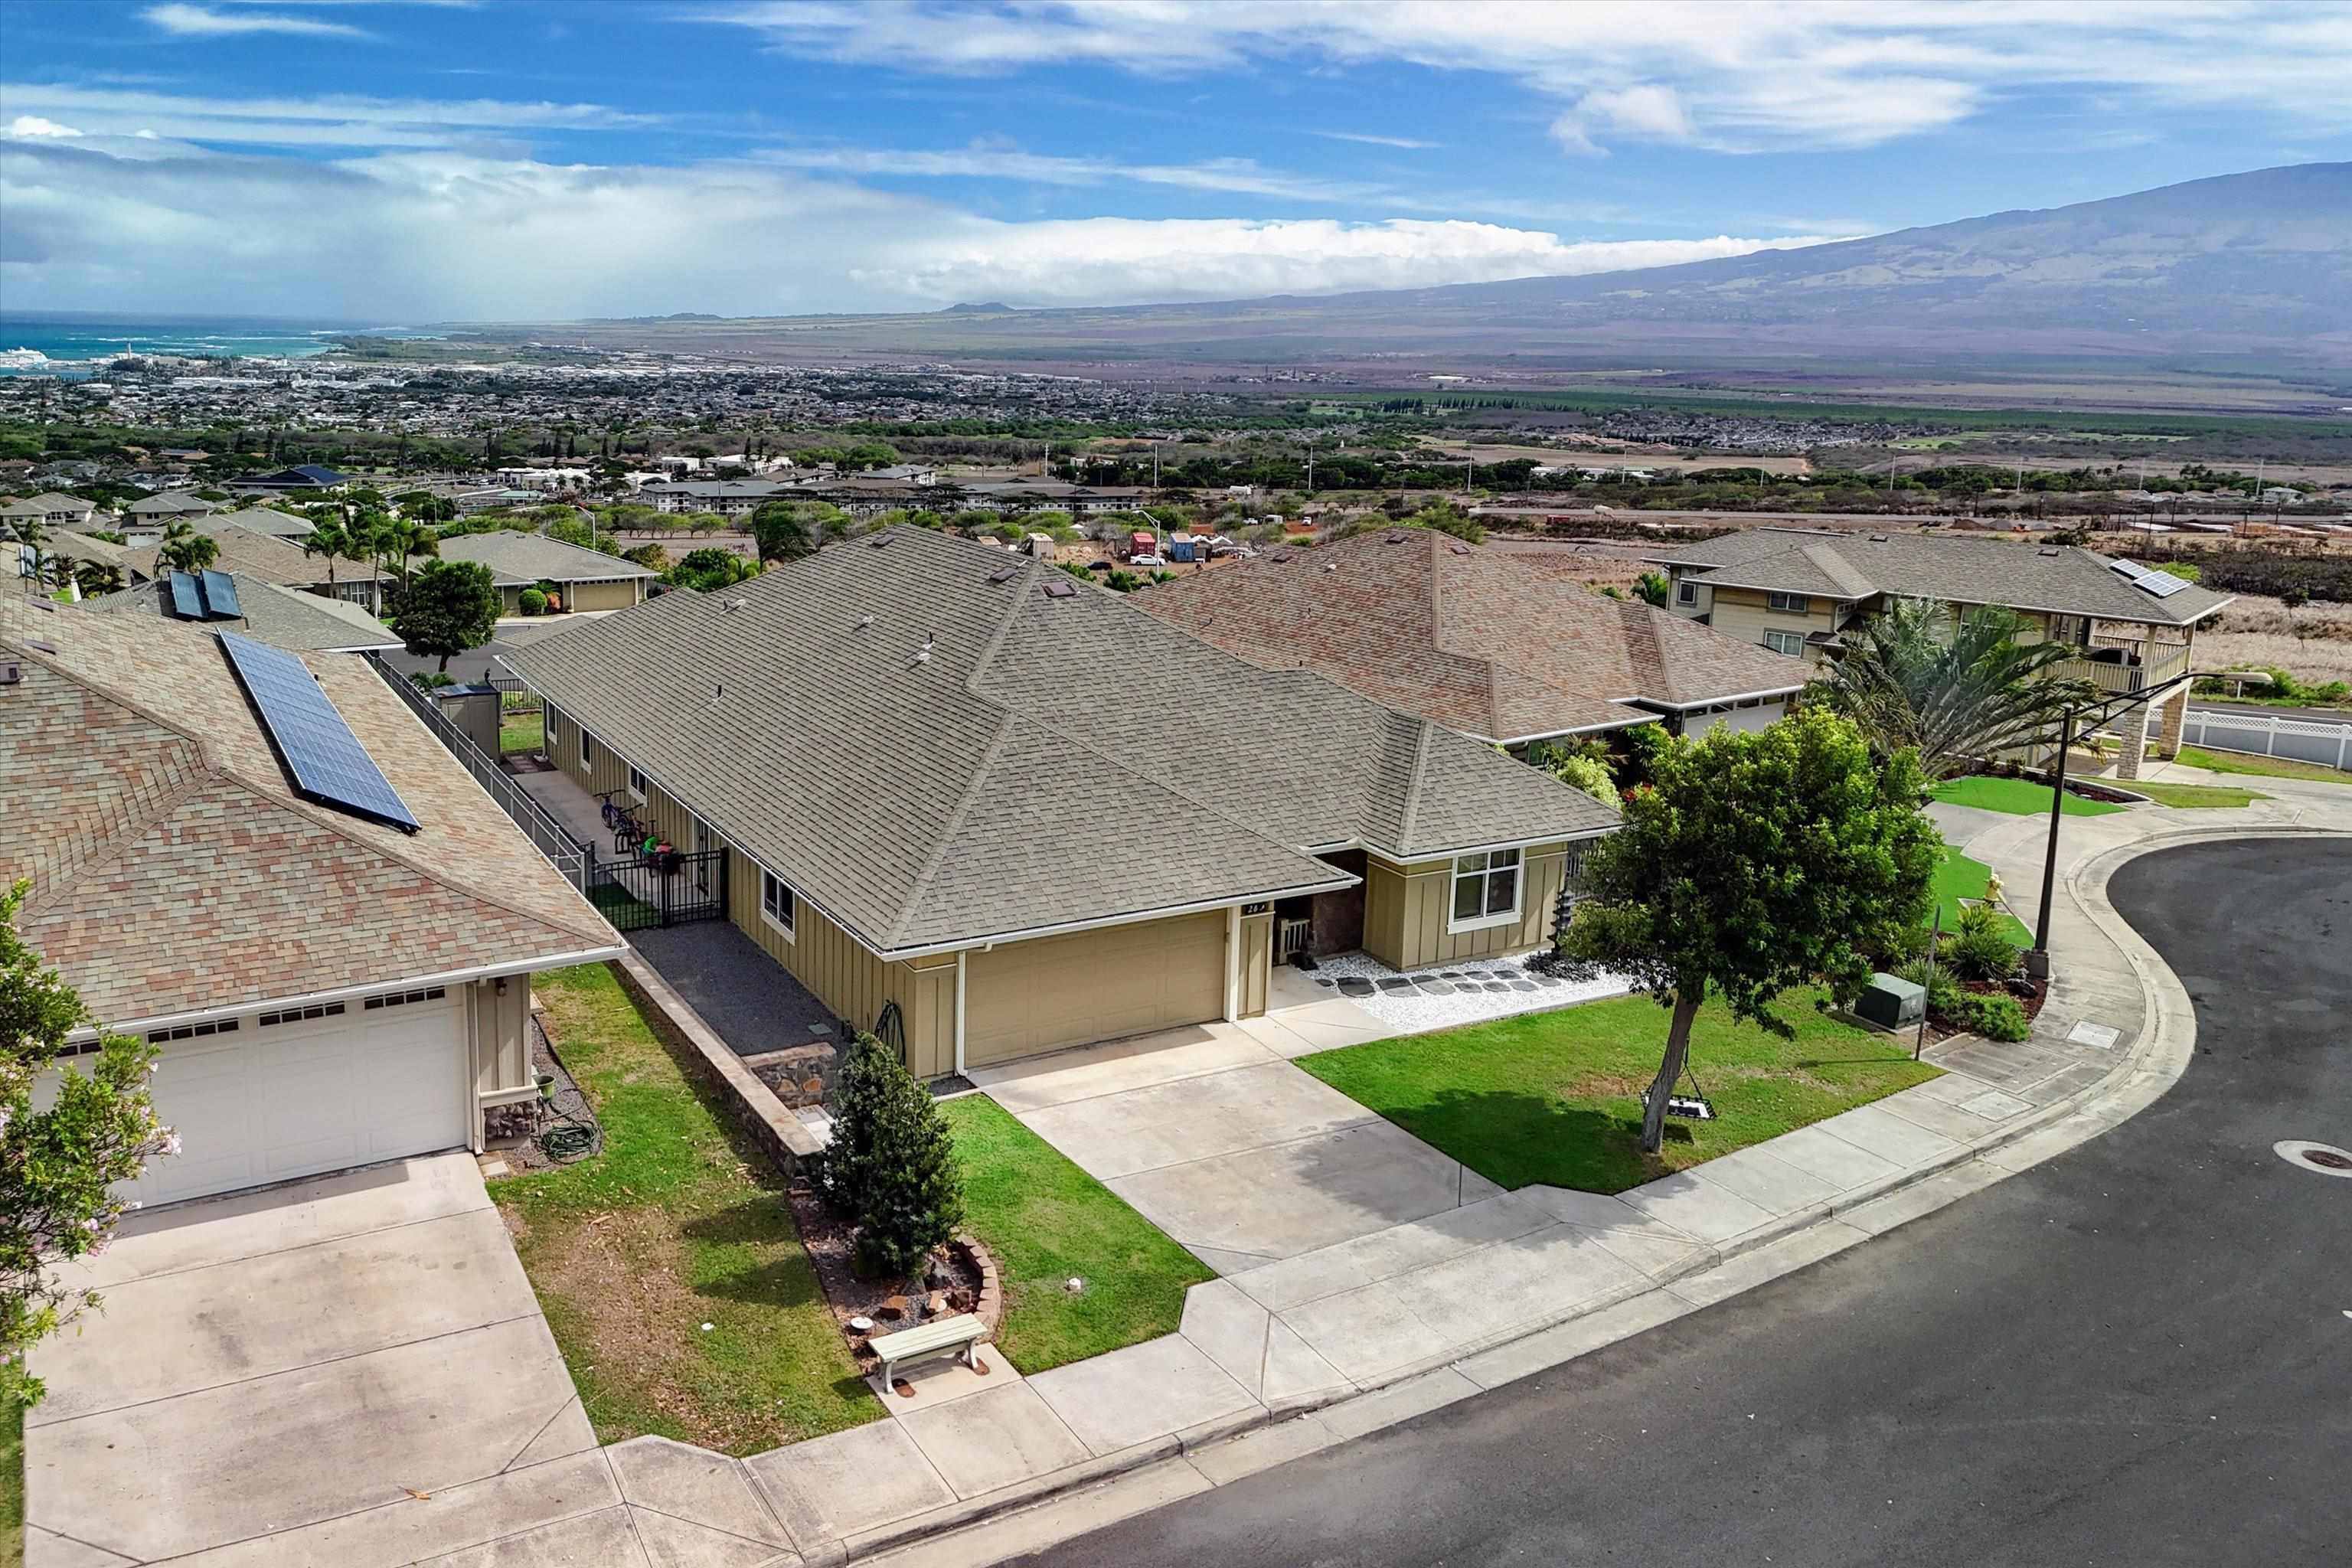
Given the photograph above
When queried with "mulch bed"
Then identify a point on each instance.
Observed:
(950, 1285)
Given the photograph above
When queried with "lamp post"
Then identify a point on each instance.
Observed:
(2037, 961)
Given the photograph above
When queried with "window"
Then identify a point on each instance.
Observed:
(299, 1015)
(587, 751)
(192, 1031)
(778, 907)
(1486, 890)
(402, 998)
(1790, 643)
(1789, 603)
(637, 784)
(1687, 591)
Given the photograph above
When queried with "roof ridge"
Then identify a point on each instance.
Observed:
(1412, 783)
(1005, 629)
(1005, 719)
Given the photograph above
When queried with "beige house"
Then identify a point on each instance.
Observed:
(250, 553)
(1795, 590)
(261, 862)
(1016, 813)
(583, 579)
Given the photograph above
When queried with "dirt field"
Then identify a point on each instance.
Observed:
(2314, 643)
(1604, 452)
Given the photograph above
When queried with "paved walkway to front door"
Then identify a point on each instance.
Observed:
(1211, 1133)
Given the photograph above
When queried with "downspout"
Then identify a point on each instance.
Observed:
(958, 1012)
(1234, 963)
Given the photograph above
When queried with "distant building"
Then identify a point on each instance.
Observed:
(305, 477)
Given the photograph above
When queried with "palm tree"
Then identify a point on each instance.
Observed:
(327, 539)
(405, 539)
(31, 534)
(184, 549)
(1954, 691)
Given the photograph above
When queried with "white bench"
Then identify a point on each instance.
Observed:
(959, 1336)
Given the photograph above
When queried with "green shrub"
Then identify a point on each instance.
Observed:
(891, 1163)
(1592, 777)
(1945, 997)
(1980, 948)
(531, 602)
(1994, 1015)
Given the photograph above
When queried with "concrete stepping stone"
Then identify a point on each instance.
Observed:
(1523, 985)
(1395, 984)
(1435, 988)
(1355, 987)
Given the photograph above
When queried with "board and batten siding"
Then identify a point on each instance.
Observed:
(496, 1010)
(1406, 909)
(853, 982)
(1740, 614)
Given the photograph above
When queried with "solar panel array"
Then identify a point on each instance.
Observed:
(326, 761)
(187, 597)
(220, 597)
(2163, 584)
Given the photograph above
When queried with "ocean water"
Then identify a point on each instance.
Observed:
(76, 345)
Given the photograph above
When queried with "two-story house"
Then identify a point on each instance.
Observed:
(1795, 590)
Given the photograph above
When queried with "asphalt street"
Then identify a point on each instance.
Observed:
(2138, 1353)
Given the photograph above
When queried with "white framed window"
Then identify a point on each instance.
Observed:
(1486, 890)
(778, 905)
(1687, 591)
(1789, 603)
(636, 783)
(1790, 643)
(587, 751)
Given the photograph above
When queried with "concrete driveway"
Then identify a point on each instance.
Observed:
(332, 1351)
(1213, 1134)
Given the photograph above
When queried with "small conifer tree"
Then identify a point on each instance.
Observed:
(891, 1163)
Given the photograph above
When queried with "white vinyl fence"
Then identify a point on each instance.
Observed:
(2320, 741)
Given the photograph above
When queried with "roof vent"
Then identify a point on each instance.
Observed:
(732, 605)
(1064, 589)
(42, 645)
(877, 542)
(864, 621)
(1330, 566)
(1399, 535)
(1461, 549)
(1277, 555)
(2047, 550)
(11, 672)
(1004, 573)
(1879, 539)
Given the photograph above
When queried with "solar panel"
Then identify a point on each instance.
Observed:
(187, 597)
(327, 764)
(220, 597)
(2163, 584)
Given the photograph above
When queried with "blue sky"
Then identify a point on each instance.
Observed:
(406, 159)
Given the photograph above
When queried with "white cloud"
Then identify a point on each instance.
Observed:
(334, 120)
(34, 125)
(200, 22)
(441, 236)
(1235, 175)
(1734, 77)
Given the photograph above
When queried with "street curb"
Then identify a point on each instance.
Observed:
(2169, 1027)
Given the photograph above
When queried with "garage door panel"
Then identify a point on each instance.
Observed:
(297, 1099)
(1124, 980)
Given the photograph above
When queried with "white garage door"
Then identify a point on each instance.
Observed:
(271, 1103)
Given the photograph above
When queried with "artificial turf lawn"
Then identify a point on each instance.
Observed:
(1555, 1096)
(672, 1227)
(521, 732)
(1959, 877)
(1048, 1222)
(2191, 795)
(2019, 797)
(2259, 767)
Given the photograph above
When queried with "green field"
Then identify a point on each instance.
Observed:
(2019, 797)
(1959, 877)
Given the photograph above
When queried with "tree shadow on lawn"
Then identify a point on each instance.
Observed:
(765, 1223)
(1516, 1139)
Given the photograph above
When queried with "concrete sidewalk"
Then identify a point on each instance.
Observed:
(1285, 1357)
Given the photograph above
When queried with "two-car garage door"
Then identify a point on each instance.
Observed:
(269, 1103)
(1033, 997)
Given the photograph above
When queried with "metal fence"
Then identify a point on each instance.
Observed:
(575, 860)
(660, 889)
(2329, 744)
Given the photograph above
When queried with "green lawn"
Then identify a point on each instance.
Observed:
(1555, 1096)
(2260, 767)
(2191, 795)
(2019, 797)
(521, 732)
(674, 1226)
(1960, 878)
(1046, 1220)
(12, 1484)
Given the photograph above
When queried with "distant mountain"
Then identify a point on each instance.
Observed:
(993, 308)
(2266, 253)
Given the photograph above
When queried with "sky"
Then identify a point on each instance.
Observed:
(402, 162)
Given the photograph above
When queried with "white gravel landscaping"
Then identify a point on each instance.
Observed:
(1447, 994)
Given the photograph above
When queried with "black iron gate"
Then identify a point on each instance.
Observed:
(666, 889)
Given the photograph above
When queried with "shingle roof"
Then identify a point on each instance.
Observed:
(1058, 757)
(267, 520)
(168, 503)
(249, 553)
(84, 547)
(287, 617)
(175, 870)
(527, 558)
(1487, 641)
(2024, 574)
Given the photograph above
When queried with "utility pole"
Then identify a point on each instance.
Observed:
(1468, 465)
